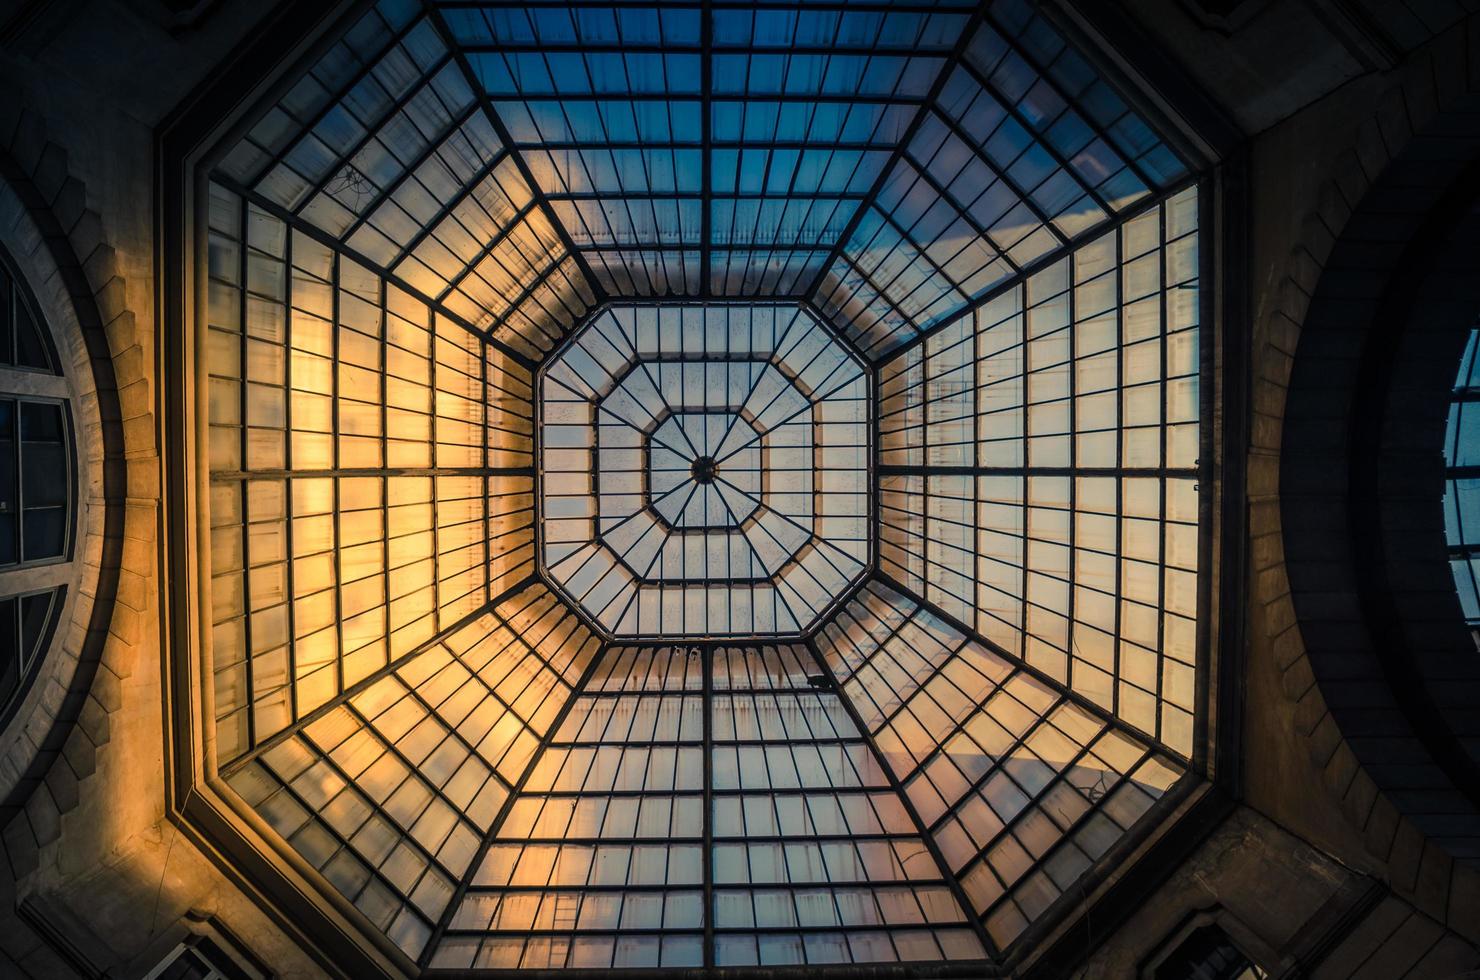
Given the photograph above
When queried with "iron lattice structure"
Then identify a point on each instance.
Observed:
(702, 484)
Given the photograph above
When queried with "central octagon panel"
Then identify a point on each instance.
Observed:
(704, 470)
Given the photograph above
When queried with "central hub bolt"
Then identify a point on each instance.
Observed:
(703, 469)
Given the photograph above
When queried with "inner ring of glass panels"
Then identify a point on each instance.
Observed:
(704, 469)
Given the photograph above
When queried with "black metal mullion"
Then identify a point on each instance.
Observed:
(435, 221)
(1040, 135)
(781, 97)
(576, 146)
(484, 484)
(619, 47)
(340, 249)
(832, 6)
(335, 288)
(757, 247)
(515, 790)
(706, 217)
(291, 599)
(895, 155)
(308, 125)
(409, 169)
(1037, 673)
(1161, 557)
(1047, 78)
(230, 476)
(1120, 479)
(707, 662)
(242, 446)
(1072, 302)
(911, 469)
(471, 77)
(926, 839)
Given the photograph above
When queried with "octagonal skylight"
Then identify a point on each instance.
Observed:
(704, 470)
(699, 484)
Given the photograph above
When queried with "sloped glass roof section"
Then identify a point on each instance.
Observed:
(701, 484)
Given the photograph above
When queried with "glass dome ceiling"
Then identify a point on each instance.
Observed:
(701, 484)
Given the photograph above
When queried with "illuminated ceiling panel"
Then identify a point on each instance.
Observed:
(703, 484)
(704, 470)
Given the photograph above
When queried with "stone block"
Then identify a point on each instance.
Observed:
(80, 753)
(28, 141)
(121, 331)
(1449, 957)
(20, 846)
(1431, 890)
(107, 689)
(1357, 802)
(1297, 678)
(1372, 149)
(86, 235)
(1382, 824)
(1340, 770)
(62, 782)
(1351, 179)
(1309, 711)
(101, 265)
(112, 299)
(1289, 645)
(45, 818)
(1405, 857)
(1463, 914)
(51, 172)
(70, 202)
(94, 721)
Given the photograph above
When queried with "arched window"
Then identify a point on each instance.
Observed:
(1462, 482)
(23, 343)
(27, 623)
(35, 456)
(37, 488)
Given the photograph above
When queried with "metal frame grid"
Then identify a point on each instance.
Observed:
(1022, 786)
(1039, 467)
(646, 836)
(485, 182)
